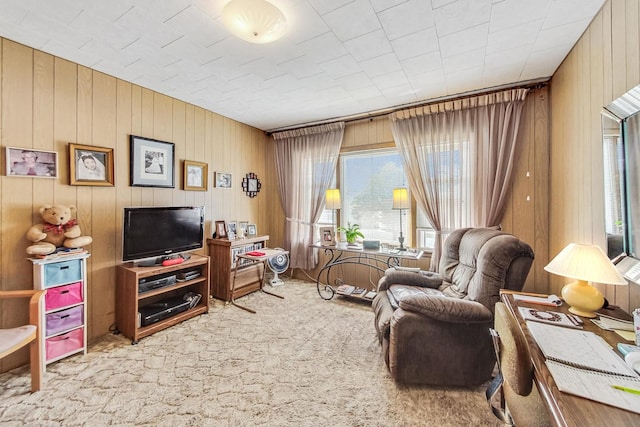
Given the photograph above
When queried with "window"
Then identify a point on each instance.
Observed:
(367, 180)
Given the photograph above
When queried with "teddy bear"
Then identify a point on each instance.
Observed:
(57, 230)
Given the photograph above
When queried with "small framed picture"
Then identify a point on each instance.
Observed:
(89, 165)
(152, 163)
(231, 228)
(242, 225)
(252, 230)
(31, 163)
(195, 176)
(223, 180)
(327, 236)
(221, 230)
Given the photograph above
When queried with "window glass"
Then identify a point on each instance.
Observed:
(366, 184)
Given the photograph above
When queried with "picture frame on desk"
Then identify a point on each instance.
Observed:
(252, 230)
(221, 230)
(327, 236)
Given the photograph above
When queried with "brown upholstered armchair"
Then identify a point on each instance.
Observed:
(434, 328)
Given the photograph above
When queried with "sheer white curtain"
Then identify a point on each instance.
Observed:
(459, 157)
(306, 163)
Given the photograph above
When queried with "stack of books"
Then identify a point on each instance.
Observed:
(61, 253)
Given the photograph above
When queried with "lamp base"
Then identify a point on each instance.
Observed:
(583, 298)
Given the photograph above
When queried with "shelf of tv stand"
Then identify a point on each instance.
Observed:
(128, 300)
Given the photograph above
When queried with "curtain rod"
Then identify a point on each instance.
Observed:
(530, 84)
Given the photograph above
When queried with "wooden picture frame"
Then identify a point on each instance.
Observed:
(327, 236)
(195, 176)
(31, 163)
(90, 165)
(221, 230)
(152, 163)
(223, 180)
(252, 230)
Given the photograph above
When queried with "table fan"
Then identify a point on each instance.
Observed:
(278, 264)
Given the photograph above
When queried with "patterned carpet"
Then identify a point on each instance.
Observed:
(301, 361)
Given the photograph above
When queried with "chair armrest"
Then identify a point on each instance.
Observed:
(35, 302)
(446, 309)
(424, 279)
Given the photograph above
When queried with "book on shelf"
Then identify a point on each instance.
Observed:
(345, 289)
(61, 253)
(358, 292)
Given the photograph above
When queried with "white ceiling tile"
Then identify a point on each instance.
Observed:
(341, 67)
(323, 48)
(523, 36)
(380, 5)
(381, 65)
(553, 37)
(514, 14)
(369, 46)
(352, 20)
(416, 44)
(435, 4)
(464, 41)
(325, 6)
(421, 64)
(461, 15)
(566, 11)
(406, 18)
(463, 61)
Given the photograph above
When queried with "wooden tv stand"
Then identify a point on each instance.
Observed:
(128, 300)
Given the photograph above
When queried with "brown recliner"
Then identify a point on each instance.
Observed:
(434, 328)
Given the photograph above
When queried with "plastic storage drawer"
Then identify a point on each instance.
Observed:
(58, 273)
(64, 320)
(64, 344)
(63, 296)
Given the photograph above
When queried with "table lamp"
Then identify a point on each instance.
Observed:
(585, 263)
(400, 202)
(333, 202)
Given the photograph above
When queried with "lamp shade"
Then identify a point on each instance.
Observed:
(255, 21)
(400, 198)
(585, 262)
(332, 199)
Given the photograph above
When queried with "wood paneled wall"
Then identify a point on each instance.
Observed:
(47, 102)
(527, 209)
(603, 65)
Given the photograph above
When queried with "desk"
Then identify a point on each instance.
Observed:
(566, 409)
(378, 260)
(267, 255)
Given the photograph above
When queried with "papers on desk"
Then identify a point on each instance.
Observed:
(552, 317)
(582, 349)
(596, 386)
(583, 364)
(611, 323)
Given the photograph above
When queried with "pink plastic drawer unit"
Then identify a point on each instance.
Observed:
(63, 296)
(64, 319)
(63, 344)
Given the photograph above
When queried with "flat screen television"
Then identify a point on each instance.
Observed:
(161, 231)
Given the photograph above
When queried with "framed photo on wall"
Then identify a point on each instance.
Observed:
(195, 176)
(223, 180)
(152, 163)
(89, 165)
(31, 163)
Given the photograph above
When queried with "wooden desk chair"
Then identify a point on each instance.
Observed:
(524, 406)
(14, 339)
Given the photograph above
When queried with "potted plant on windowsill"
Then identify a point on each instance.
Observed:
(351, 232)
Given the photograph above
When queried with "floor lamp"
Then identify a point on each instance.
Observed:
(333, 202)
(400, 202)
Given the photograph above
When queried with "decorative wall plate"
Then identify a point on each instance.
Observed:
(251, 184)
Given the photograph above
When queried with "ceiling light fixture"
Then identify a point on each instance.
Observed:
(255, 21)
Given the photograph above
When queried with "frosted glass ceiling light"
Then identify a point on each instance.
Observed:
(255, 21)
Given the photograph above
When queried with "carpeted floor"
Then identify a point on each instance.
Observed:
(301, 361)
